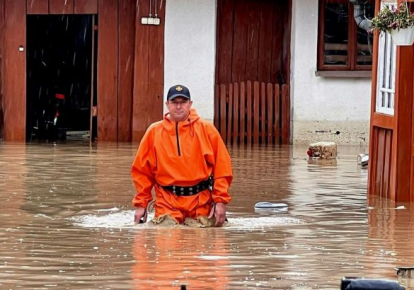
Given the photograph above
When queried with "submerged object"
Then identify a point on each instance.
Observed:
(322, 150)
(362, 160)
(405, 272)
(265, 205)
(349, 283)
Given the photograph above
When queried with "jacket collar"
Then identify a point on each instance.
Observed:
(170, 125)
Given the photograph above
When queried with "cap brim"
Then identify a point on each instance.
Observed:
(177, 95)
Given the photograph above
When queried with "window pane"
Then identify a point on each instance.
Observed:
(336, 34)
(386, 74)
(364, 39)
(385, 60)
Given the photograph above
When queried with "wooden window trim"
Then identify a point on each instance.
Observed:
(352, 45)
(344, 73)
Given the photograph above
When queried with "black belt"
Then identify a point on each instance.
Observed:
(190, 190)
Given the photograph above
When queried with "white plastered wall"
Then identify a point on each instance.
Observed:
(190, 50)
(323, 106)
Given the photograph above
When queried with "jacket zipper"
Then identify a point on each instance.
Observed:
(178, 139)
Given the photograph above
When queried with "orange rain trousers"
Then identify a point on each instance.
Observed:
(181, 154)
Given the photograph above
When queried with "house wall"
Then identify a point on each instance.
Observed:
(1, 66)
(130, 65)
(322, 106)
(190, 50)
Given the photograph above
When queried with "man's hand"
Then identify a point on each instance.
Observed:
(219, 212)
(140, 213)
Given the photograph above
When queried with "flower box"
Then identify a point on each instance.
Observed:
(403, 36)
(399, 22)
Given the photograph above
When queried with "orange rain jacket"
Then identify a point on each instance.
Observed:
(181, 154)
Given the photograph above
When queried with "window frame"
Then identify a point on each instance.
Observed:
(352, 43)
(386, 71)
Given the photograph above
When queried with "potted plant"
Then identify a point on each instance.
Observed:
(399, 22)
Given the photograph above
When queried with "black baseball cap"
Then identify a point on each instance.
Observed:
(178, 91)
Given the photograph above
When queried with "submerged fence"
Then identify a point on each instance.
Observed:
(252, 113)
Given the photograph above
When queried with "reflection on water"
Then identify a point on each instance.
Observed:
(65, 224)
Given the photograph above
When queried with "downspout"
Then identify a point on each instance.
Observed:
(359, 15)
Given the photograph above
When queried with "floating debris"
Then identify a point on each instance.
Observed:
(369, 284)
(362, 160)
(322, 150)
(270, 206)
(405, 272)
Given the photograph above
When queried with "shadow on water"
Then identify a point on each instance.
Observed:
(47, 191)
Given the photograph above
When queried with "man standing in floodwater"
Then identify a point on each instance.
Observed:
(185, 160)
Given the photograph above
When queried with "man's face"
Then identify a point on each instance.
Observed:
(179, 108)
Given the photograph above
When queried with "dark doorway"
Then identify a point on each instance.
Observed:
(59, 77)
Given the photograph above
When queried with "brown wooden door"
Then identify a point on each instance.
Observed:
(94, 111)
(391, 135)
(253, 41)
(1, 65)
(129, 90)
(14, 70)
(252, 99)
(412, 143)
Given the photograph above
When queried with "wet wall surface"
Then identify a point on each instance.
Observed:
(67, 223)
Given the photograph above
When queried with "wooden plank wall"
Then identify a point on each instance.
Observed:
(403, 123)
(86, 7)
(253, 44)
(381, 157)
(155, 68)
(253, 41)
(129, 73)
(107, 70)
(284, 76)
(37, 7)
(149, 71)
(372, 148)
(126, 68)
(411, 64)
(116, 53)
(285, 108)
(392, 137)
(1, 65)
(61, 6)
(14, 64)
(249, 113)
(225, 14)
(116, 58)
(140, 100)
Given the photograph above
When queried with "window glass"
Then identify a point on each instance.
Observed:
(336, 34)
(365, 39)
(343, 45)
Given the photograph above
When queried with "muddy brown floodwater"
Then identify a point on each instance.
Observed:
(66, 223)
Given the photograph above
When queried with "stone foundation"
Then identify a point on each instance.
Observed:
(342, 133)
